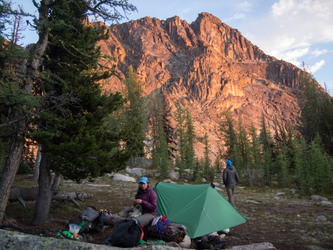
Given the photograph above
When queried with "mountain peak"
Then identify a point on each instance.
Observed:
(208, 67)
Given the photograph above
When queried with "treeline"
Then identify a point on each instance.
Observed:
(282, 155)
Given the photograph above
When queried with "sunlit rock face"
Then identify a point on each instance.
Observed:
(207, 66)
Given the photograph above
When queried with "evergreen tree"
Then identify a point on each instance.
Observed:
(198, 170)
(16, 103)
(255, 152)
(75, 144)
(267, 148)
(135, 117)
(243, 148)
(160, 152)
(317, 113)
(303, 169)
(189, 141)
(321, 168)
(229, 134)
(208, 172)
(283, 161)
(181, 139)
(217, 163)
(230, 138)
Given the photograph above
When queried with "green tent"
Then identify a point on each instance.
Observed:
(200, 208)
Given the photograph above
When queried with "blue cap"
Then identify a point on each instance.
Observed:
(229, 163)
(143, 180)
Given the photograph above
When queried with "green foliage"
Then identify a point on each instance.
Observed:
(180, 129)
(160, 152)
(189, 141)
(208, 171)
(283, 162)
(218, 164)
(288, 157)
(198, 173)
(135, 114)
(71, 130)
(185, 139)
(24, 168)
(317, 113)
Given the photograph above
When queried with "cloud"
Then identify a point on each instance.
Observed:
(236, 16)
(244, 6)
(292, 56)
(296, 7)
(316, 66)
(309, 20)
(318, 52)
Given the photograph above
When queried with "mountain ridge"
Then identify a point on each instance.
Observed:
(208, 67)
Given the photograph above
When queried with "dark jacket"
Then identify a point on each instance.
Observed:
(230, 176)
(149, 200)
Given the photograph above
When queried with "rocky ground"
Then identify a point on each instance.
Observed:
(277, 216)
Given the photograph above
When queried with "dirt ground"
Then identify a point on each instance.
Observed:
(277, 216)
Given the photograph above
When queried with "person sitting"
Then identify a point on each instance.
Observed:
(147, 198)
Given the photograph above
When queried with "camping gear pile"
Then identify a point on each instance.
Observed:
(89, 219)
(162, 228)
(193, 210)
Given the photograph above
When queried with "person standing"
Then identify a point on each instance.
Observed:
(230, 180)
(147, 198)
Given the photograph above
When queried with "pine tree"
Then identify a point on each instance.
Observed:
(230, 137)
(255, 152)
(16, 103)
(267, 148)
(283, 161)
(302, 167)
(189, 141)
(317, 113)
(75, 143)
(181, 139)
(160, 152)
(320, 166)
(208, 173)
(135, 116)
(229, 134)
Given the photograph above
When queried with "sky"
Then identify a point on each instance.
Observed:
(296, 31)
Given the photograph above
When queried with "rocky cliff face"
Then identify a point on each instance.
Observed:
(209, 67)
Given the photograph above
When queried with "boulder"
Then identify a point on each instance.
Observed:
(121, 177)
(136, 171)
(174, 175)
(318, 198)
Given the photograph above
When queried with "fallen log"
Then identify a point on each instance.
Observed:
(112, 219)
(30, 194)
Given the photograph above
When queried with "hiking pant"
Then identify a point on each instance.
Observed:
(230, 192)
(145, 219)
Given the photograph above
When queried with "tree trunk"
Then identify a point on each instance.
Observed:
(56, 181)
(38, 158)
(11, 166)
(44, 194)
(30, 70)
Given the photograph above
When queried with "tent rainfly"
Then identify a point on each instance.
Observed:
(200, 208)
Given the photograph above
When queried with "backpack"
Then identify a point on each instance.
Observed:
(127, 233)
(89, 219)
(162, 224)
